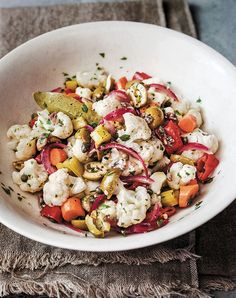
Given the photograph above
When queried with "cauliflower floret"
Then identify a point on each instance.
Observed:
(201, 137)
(106, 105)
(25, 149)
(182, 107)
(58, 124)
(116, 159)
(91, 186)
(133, 167)
(78, 152)
(157, 97)
(156, 199)
(21, 141)
(32, 177)
(136, 127)
(63, 126)
(152, 81)
(83, 92)
(132, 206)
(159, 179)
(61, 186)
(108, 208)
(180, 174)
(90, 79)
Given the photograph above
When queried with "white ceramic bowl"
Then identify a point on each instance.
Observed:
(192, 67)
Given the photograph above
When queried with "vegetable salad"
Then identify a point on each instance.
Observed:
(112, 155)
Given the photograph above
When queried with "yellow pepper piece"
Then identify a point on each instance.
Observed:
(170, 198)
(83, 134)
(100, 135)
(79, 122)
(72, 85)
(73, 165)
(183, 159)
(80, 224)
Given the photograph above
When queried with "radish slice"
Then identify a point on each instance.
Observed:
(120, 95)
(128, 151)
(137, 178)
(45, 156)
(165, 90)
(100, 199)
(141, 76)
(193, 146)
(117, 114)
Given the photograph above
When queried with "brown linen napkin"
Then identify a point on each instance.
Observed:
(33, 268)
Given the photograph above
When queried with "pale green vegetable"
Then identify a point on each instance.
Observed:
(57, 102)
(109, 182)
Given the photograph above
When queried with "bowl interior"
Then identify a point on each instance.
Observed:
(194, 70)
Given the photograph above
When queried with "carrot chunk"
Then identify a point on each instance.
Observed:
(72, 208)
(57, 155)
(188, 123)
(186, 194)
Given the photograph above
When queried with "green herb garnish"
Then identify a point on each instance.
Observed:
(123, 58)
(102, 55)
(125, 137)
(199, 100)
(84, 108)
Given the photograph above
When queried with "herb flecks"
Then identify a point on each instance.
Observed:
(102, 55)
(84, 108)
(125, 137)
(123, 58)
(199, 100)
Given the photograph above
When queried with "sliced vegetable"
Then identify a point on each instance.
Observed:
(57, 102)
(92, 227)
(188, 123)
(54, 213)
(109, 83)
(72, 208)
(153, 215)
(79, 122)
(83, 134)
(154, 116)
(80, 224)
(117, 115)
(168, 210)
(141, 76)
(170, 136)
(138, 94)
(100, 135)
(120, 95)
(94, 171)
(87, 202)
(99, 200)
(57, 155)
(163, 89)
(99, 92)
(180, 158)
(137, 178)
(186, 194)
(121, 83)
(109, 182)
(130, 83)
(73, 165)
(45, 156)
(193, 146)
(57, 90)
(128, 151)
(170, 198)
(206, 165)
(71, 85)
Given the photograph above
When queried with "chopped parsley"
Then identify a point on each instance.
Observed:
(177, 112)
(60, 122)
(123, 58)
(199, 100)
(104, 206)
(93, 124)
(65, 74)
(102, 55)
(125, 137)
(84, 108)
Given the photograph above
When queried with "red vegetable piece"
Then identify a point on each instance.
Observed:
(57, 90)
(141, 76)
(117, 115)
(206, 165)
(170, 136)
(121, 83)
(165, 90)
(168, 210)
(52, 213)
(153, 214)
(138, 179)
(193, 146)
(120, 95)
(100, 199)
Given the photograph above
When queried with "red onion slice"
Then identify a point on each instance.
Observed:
(193, 146)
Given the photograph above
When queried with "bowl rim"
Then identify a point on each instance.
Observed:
(105, 245)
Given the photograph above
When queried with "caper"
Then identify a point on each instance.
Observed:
(24, 178)
(150, 192)
(85, 147)
(155, 116)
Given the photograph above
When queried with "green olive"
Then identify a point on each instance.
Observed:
(154, 116)
(94, 171)
(83, 134)
(109, 182)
